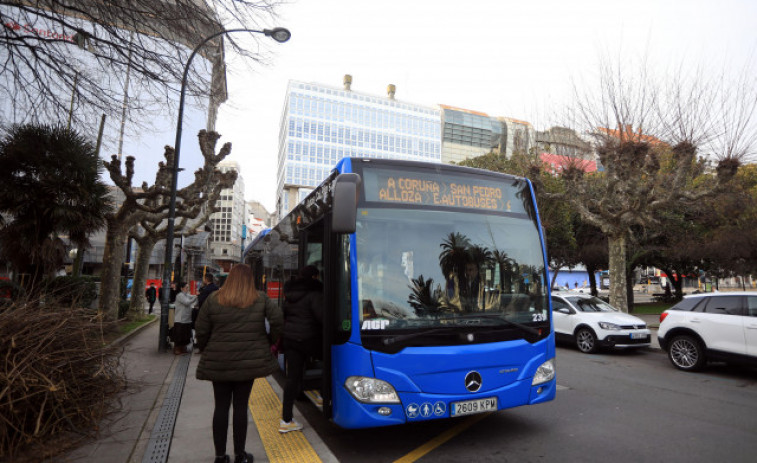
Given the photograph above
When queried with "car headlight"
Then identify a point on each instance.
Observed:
(609, 326)
(371, 390)
(545, 373)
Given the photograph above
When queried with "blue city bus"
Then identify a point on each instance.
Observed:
(436, 298)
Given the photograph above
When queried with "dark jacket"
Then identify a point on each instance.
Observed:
(303, 309)
(233, 340)
(151, 293)
(205, 292)
(171, 295)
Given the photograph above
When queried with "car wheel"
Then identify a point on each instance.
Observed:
(686, 353)
(586, 340)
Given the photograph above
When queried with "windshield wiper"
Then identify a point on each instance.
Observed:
(405, 337)
(447, 329)
(505, 321)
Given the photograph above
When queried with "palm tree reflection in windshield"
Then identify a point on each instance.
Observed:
(475, 280)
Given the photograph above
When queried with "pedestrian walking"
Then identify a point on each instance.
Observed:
(151, 294)
(236, 350)
(182, 325)
(303, 315)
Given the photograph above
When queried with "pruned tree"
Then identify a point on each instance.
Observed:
(152, 228)
(58, 54)
(150, 203)
(635, 118)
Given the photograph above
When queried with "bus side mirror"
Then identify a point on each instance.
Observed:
(344, 217)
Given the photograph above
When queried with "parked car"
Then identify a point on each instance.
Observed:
(592, 323)
(710, 326)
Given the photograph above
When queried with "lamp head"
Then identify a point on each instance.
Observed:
(279, 34)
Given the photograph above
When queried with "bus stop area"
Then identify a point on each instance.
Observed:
(165, 415)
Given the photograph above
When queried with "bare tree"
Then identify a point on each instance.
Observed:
(153, 229)
(59, 54)
(149, 203)
(635, 118)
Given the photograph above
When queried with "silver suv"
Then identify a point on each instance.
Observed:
(710, 326)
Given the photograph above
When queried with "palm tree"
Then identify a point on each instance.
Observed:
(51, 187)
(481, 255)
(506, 270)
(454, 254)
(424, 298)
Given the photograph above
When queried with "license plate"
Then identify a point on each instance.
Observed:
(638, 336)
(469, 407)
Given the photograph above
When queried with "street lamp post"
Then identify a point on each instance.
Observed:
(278, 34)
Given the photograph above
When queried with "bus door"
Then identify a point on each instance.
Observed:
(312, 253)
(329, 252)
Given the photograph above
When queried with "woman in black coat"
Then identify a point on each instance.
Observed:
(235, 350)
(303, 315)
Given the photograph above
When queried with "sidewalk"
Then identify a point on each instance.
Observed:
(653, 322)
(125, 435)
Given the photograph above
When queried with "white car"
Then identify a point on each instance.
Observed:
(592, 323)
(710, 326)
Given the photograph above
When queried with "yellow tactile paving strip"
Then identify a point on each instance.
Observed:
(265, 407)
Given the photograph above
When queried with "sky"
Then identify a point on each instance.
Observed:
(505, 58)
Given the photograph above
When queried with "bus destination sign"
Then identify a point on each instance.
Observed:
(425, 189)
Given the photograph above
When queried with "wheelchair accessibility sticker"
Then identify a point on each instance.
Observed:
(426, 410)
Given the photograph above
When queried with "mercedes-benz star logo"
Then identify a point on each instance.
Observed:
(473, 381)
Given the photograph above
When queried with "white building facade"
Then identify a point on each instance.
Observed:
(226, 224)
(321, 125)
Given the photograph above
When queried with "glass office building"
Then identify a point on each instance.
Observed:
(467, 134)
(320, 125)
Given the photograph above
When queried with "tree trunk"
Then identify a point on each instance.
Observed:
(676, 284)
(554, 277)
(592, 280)
(78, 261)
(113, 259)
(629, 289)
(617, 257)
(141, 266)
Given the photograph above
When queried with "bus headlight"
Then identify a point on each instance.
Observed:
(371, 390)
(545, 372)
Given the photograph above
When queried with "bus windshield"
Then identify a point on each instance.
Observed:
(437, 269)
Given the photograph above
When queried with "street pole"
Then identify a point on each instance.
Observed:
(244, 237)
(280, 35)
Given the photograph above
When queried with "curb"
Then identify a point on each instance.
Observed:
(133, 332)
